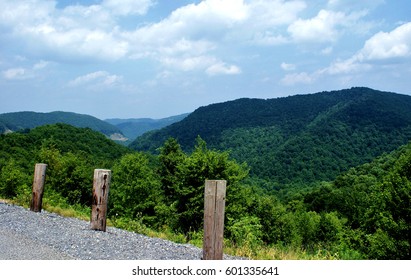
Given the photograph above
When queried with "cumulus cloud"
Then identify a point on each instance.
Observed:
(383, 48)
(321, 28)
(388, 45)
(73, 32)
(189, 39)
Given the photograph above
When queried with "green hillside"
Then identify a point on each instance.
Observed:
(71, 154)
(27, 120)
(302, 138)
(375, 199)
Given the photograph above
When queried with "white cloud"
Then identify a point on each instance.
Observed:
(186, 47)
(212, 11)
(188, 36)
(209, 64)
(209, 19)
(73, 32)
(21, 13)
(190, 63)
(96, 80)
(40, 65)
(80, 17)
(15, 74)
(384, 48)
(287, 66)
(78, 43)
(189, 39)
(268, 38)
(388, 45)
(222, 68)
(24, 73)
(329, 26)
(348, 66)
(268, 19)
(321, 28)
(275, 13)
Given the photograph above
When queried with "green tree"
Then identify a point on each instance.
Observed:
(11, 178)
(69, 174)
(136, 188)
(201, 165)
(170, 158)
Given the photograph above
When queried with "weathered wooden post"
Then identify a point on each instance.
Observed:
(38, 187)
(214, 206)
(101, 186)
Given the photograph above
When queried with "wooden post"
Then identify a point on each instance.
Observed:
(38, 187)
(101, 186)
(214, 206)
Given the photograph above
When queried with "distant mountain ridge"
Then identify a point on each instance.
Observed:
(134, 127)
(28, 120)
(307, 138)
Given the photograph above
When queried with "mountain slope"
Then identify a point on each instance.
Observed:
(71, 155)
(23, 120)
(375, 199)
(132, 128)
(302, 138)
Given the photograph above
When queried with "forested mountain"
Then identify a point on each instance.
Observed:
(133, 128)
(301, 138)
(71, 154)
(27, 120)
(375, 200)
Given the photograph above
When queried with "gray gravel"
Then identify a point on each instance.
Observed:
(26, 235)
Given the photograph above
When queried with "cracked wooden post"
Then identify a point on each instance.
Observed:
(38, 187)
(214, 207)
(101, 186)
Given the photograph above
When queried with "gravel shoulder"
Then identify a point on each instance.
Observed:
(26, 235)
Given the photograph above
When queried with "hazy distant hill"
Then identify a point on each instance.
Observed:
(28, 120)
(301, 138)
(133, 128)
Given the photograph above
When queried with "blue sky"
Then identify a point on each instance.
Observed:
(157, 58)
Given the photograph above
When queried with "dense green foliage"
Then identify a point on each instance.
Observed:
(376, 201)
(363, 213)
(70, 153)
(28, 120)
(297, 139)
